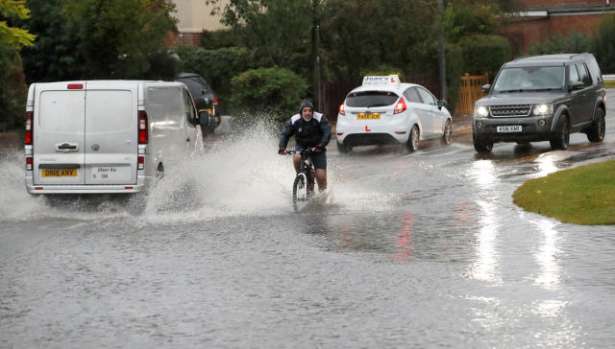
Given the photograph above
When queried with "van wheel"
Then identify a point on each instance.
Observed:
(343, 148)
(413, 140)
(160, 171)
(447, 137)
(562, 139)
(482, 147)
(595, 134)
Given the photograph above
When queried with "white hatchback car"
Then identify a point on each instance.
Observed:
(383, 110)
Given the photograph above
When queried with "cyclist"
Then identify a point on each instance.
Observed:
(312, 131)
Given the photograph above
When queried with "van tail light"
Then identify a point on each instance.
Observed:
(29, 163)
(74, 86)
(140, 162)
(143, 132)
(342, 110)
(28, 134)
(216, 100)
(401, 106)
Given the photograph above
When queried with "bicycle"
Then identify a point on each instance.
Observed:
(303, 185)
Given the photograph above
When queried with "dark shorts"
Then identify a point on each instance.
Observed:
(318, 159)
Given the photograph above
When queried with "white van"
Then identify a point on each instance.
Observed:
(114, 136)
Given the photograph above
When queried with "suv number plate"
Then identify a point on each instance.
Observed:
(510, 129)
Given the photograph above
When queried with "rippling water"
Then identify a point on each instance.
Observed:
(419, 250)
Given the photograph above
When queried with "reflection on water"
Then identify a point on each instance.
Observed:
(485, 268)
(483, 173)
(404, 240)
(549, 277)
(546, 165)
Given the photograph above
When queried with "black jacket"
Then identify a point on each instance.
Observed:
(311, 133)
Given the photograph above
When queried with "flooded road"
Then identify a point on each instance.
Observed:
(417, 250)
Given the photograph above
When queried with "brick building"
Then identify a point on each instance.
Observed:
(538, 20)
(194, 16)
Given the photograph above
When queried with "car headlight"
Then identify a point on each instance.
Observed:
(543, 109)
(481, 111)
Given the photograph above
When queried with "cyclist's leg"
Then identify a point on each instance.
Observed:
(320, 163)
(297, 157)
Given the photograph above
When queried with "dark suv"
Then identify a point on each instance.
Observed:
(205, 99)
(542, 98)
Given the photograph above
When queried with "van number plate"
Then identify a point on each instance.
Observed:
(59, 172)
(510, 129)
(104, 172)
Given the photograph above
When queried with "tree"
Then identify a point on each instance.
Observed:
(279, 31)
(89, 39)
(12, 39)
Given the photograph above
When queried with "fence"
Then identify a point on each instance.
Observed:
(469, 92)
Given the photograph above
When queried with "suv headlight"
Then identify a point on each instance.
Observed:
(543, 109)
(481, 111)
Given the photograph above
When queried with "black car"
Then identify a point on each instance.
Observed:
(204, 97)
(542, 98)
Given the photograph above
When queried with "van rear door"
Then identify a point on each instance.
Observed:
(111, 143)
(59, 139)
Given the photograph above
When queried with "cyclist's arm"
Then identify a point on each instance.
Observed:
(325, 128)
(286, 133)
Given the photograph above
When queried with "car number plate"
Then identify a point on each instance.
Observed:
(510, 129)
(106, 172)
(368, 116)
(59, 172)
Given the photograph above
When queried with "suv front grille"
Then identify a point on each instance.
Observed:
(506, 111)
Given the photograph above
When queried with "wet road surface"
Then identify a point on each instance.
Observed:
(416, 250)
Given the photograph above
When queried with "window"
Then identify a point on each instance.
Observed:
(412, 95)
(190, 113)
(427, 97)
(584, 74)
(368, 99)
(573, 74)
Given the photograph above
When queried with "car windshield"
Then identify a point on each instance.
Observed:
(367, 99)
(522, 79)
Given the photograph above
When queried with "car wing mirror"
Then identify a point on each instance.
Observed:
(442, 104)
(485, 88)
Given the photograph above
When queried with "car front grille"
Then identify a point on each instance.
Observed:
(506, 111)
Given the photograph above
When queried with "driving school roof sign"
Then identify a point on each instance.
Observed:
(381, 80)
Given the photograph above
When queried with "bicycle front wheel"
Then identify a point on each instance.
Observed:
(300, 192)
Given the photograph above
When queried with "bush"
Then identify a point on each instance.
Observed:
(484, 53)
(454, 71)
(276, 91)
(213, 40)
(605, 45)
(216, 66)
(575, 42)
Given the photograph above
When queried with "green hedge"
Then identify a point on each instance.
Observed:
(575, 42)
(485, 53)
(216, 66)
(276, 91)
(605, 45)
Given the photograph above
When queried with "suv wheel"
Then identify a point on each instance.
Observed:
(595, 134)
(562, 139)
(482, 147)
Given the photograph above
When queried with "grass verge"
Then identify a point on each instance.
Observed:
(609, 83)
(583, 195)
